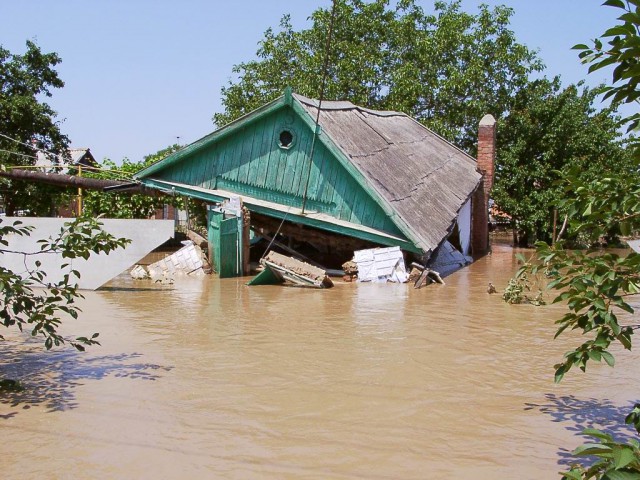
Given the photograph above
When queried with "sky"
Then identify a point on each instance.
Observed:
(141, 75)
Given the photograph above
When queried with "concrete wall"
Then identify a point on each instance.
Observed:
(145, 235)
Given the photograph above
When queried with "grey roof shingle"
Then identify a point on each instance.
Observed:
(424, 178)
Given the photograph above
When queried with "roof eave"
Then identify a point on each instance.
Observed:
(216, 136)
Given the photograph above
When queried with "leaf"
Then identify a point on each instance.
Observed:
(622, 456)
(615, 3)
(617, 475)
(593, 432)
(611, 361)
(595, 355)
(592, 449)
(560, 371)
(572, 474)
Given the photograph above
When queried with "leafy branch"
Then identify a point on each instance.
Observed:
(30, 302)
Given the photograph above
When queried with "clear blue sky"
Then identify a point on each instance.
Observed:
(140, 73)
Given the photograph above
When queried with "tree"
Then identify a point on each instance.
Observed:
(597, 285)
(446, 69)
(122, 205)
(550, 130)
(118, 205)
(31, 302)
(24, 81)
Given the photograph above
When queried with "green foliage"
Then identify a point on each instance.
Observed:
(446, 69)
(122, 205)
(619, 46)
(613, 460)
(518, 288)
(596, 285)
(34, 304)
(24, 81)
(549, 132)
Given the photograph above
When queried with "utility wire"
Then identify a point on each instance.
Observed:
(273, 239)
(27, 145)
(325, 72)
(17, 153)
(315, 133)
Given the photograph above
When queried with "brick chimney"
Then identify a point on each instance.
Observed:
(486, 165)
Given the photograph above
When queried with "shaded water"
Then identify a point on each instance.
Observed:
(213, 379)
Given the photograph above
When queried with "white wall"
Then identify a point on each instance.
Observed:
(464, 227)
(145, 235)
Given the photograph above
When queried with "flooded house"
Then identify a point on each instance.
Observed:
(327, 179)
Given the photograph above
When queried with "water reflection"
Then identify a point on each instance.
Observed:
(578, 414)
(49, 379)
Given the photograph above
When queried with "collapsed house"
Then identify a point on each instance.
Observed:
(356, 179)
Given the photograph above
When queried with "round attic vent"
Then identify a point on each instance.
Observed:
(286, 139)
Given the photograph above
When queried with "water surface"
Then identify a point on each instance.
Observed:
(213, 379)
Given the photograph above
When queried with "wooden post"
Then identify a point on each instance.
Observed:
(79, 191)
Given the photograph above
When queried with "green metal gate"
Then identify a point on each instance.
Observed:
(225, 243)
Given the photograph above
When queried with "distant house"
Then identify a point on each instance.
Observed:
(59, 164)
(71, 163)
(362, 178)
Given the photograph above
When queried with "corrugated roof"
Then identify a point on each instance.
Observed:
(424, 178)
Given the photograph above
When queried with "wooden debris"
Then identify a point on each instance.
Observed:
(427, 276)
(279, 268)
(350, 267)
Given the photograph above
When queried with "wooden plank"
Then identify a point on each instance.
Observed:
(235, 149)
(245, 153)
(266, 144)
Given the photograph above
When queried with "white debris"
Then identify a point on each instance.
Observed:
(139, 272)
(381, 265)
(186, 261)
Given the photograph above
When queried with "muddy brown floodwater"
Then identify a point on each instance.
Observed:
(213, 379)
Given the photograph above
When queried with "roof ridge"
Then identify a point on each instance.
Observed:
(345, 105)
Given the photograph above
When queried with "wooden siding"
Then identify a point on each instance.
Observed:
(252, 163)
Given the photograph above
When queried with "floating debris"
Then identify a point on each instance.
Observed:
(380, 265)
(139, 273)
(189, 260)
(426, 276)
(279, 269)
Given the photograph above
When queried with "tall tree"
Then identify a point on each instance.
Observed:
(597, 286)
(24, 81)
(446, 69)
(550, 130)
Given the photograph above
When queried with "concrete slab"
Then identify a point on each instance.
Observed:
(145, 235)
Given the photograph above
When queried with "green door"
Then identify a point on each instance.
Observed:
(224, 238)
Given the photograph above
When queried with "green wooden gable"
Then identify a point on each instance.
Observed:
(264, 157)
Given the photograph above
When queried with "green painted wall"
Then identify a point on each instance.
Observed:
(252, 163)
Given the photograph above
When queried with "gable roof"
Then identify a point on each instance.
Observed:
(419, 179)
(421, 176)
(76, 156)
(83, 156)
